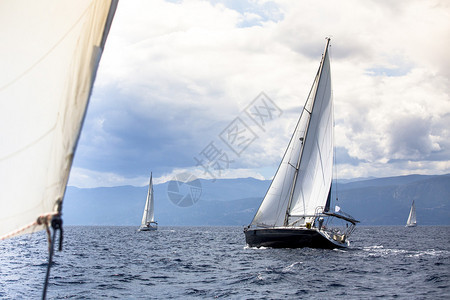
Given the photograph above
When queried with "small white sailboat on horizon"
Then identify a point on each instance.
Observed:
(148, 218)
(295, 211)
(412, 222)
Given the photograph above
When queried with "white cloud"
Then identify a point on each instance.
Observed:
(174, 75)
(200, 173)
(84, 178)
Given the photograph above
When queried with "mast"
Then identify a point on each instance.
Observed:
(303, 178)
(151, 212)
(303, 139)
(145, 216)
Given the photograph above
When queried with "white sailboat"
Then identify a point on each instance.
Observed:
(295, 211)
(411, 222)
(148, 218)
(49, 58)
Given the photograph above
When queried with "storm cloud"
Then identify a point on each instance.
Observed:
(175, 74)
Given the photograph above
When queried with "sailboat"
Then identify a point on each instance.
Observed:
(295, 211)
(411, 222)
(148, 219)
(49, 57)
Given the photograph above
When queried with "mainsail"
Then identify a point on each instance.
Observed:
(303, 180)
(149, 214)
(411, 222)
(49, 57)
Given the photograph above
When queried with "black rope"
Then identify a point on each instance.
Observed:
(56, 225)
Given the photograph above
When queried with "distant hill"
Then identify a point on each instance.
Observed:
(378, 201)
(387, 201)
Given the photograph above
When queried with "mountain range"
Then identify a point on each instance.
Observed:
(233, 202)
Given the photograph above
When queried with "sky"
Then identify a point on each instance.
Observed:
(177, 76)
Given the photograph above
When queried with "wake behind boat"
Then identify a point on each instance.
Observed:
(148, 218)
(295, 211)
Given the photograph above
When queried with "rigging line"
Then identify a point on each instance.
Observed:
(336, 174)
(56, 225)
(334, 133)
(289, 147)
(314, 89)
(18, 231)
(41, 220)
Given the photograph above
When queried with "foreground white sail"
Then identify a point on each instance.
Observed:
(411, 222)
(49, 57)
(148, 218)
(297, 203)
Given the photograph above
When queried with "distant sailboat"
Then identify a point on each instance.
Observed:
(411, 222)
(295, 211)
(49, 58)
(148, 219)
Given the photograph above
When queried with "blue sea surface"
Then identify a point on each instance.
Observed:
(214, 262)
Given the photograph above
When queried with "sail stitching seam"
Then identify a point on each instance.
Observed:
(29, 145)
(48, 52)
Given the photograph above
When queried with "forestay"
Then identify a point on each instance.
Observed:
(294, 197)
(49, 56)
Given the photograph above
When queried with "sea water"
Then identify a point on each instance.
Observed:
(214, 262)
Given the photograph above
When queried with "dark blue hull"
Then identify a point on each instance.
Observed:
(290, 238)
